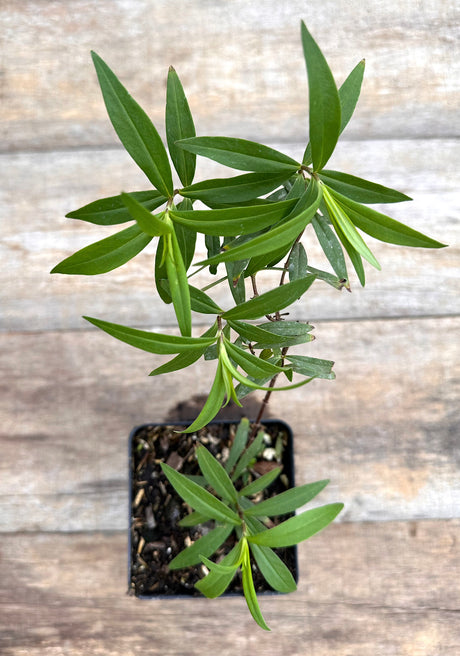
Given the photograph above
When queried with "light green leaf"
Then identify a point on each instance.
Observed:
(179, 125)
(287, 501)
(184, 360)
(215, 583)
(249, 590)
(238, 444)
(218, 568)
(271, 301)
(106, 254)
(149, 223)
(151, 342)
(307, 366)
(216, 475)
(254, 334)
(204, 546)
(251, 364)
(234, 190)
(199, 498)
(112, 210)
(330, 245)
(260, 483)
(383, 227)
(298, 528)
(233, 220)
(134, 128)
(325, 108)
(186, 238)
(213, 402)
(241, 154)
(178, 284)
(273, 569)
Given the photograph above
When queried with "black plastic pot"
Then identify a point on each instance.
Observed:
(143, 537)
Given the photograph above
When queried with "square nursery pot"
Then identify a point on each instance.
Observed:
(155, 507)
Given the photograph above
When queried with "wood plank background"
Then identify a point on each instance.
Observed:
(384, 579)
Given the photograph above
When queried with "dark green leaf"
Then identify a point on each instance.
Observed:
(297, 266)
(193, 518)
(161, 274)
(331, 279)
(178, 284)
(186, 238)
(216, 475)
(360, 190)
(179, 125)
(260, 483)
(292, 332)
(204, 546)
(252, 333)
(325, 108)
(234, 190)
(149, 223)
(249, 455)
(151, 342)
(215, 583)
(238, 444)
(271, 301)
(287, 501)
(307, 366)
(212, 244)
(134, 128)
(112, 210)
(298, 528)
(203, 303)
(199, 498)
(251, 364)
(213, 402)
(106, 254)
(241, 154)
(184, 360)
(330, 245)
(273, 569)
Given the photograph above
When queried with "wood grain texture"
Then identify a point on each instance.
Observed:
(365, 589)
(35, 236)
(224, 53)
(385, 432)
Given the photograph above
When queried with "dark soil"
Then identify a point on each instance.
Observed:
(156, 507)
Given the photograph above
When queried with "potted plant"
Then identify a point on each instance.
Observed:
(253, 223)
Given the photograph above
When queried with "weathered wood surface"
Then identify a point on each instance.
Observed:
(36, 236)
(365, 589)
(229, 55)
(385, 432)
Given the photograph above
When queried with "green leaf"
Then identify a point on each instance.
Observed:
(287, 501)
(213, 402)
(277, 237)
(330, 245)
(251, 364)
(383, 227)
(203, 303)
(199, 498)
(297, 528)
(325, 108)
(216, 475)
(218, 568)
(134, 128)
(184, 360)
(293, 332)
(307, 366)
(248, 455)
(297, 267)
(112, 210)
(360, 190)
(271, 301)
(161, 274)
(238, 444)
(233, 220)
(179, 125)
(342, 222)
(260, 483)
(234, 190)
(186, 238)
(235, 280)
(106, 254)
(193, 518)
(178, 283)
(348, 94)
(273, 569)
(249, 590)
(241, 154)
(215, 583)
(151, 342)
(204, 546)
(252, 333)
(149, 223)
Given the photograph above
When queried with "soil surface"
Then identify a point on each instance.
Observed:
(156, 507)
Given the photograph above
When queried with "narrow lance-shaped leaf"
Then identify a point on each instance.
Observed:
(292, 332)
(249, 589)
(178, 283)
(204, 546)
(151, 342)
(234, 190)
(272, 568)
(179, 125)
(331, 246)
(184, 360)
(308, 366)
(297, 267)
(106, 254)
(240, 154)
(149, 223)
(216, 475)
(112, 210)
(254, 334)
(199, 498)
(134, 128)
(248, 455)
(325, 109)
(298, 528)
(213, 403)
(360, 190)
(215, 583)
(251, 364)
(238, 444)
(260, 483)
(185, 238)
(287, 501)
